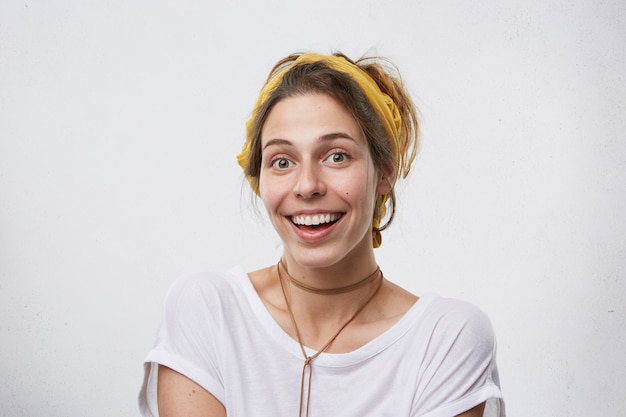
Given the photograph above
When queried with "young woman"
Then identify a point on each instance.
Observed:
(322, 332)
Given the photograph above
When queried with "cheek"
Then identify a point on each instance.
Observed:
(268, 199)
(265, 190)
(271, 193)
(360, 191)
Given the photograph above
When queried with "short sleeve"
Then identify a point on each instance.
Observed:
(460, 369)
(188, 339)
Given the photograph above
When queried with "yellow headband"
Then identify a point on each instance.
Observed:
(383, 105)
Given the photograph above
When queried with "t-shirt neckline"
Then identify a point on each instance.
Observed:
(370, 349)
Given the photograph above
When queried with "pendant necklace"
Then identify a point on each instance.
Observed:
(309, 359)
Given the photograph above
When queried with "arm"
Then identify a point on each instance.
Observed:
(461, 364)
(178, 396)
(474, 412)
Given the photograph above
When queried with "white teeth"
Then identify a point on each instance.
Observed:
(315, 220)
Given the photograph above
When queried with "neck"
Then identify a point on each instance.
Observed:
(328, 276)
(328, 291)
(318, 315)
(336, 291)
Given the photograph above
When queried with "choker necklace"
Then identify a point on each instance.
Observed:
(309, 359)
(329, 291)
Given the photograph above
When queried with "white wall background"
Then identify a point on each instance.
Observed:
(119, 126)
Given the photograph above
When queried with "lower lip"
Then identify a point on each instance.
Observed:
(310, 235)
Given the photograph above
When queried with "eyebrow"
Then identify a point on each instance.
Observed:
(324, 138)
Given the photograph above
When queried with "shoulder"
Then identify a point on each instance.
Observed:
(459, 322)
(199, 291)
(210, 280)
(458, 368)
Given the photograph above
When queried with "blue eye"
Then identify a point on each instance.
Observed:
(281, 163)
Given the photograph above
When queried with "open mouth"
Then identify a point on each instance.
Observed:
(316, 220)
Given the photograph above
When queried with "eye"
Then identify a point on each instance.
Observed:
(281, 163)
(338, 157)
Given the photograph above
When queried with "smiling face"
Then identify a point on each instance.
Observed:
(318, 181)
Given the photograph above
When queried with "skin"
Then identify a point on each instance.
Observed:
(315, 161)
(178, 396)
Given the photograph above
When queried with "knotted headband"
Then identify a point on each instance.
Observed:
(384, 106)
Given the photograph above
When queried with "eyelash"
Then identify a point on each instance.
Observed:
(344, 155)
(275, 161)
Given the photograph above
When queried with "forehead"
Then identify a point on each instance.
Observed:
(307, 117)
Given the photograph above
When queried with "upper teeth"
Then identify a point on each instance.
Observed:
(314, 220)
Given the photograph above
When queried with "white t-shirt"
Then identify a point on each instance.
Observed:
(438, 360)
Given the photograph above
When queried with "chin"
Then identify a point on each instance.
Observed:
(313, 257)
(327, 255)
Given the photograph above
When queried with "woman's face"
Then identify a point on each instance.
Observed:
(318, 181)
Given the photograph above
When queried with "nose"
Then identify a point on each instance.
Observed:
(309, 181)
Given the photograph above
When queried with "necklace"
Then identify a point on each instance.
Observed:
(309, 359)
(330, 291)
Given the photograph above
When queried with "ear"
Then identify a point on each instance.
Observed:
(386, 180)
